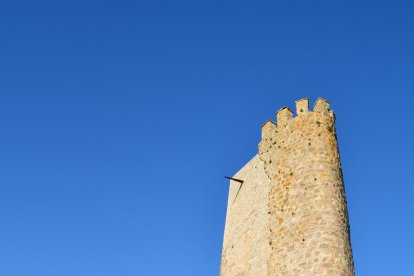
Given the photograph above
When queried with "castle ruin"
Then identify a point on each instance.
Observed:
(288, 214)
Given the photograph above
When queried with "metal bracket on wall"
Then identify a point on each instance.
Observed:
(237, 180)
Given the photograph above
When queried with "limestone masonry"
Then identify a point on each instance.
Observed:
(289, 217)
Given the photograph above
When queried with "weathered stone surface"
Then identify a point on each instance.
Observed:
(290, 217)
(245, 248)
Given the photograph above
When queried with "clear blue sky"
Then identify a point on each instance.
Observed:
(119, 120)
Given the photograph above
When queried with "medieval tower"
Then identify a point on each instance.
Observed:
(287, 212)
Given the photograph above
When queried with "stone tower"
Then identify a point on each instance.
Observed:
(289, 216)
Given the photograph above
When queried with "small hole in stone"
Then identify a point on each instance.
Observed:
(315, 179)
(309, 144)
(303, 239)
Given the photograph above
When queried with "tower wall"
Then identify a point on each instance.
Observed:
(308, 224)
(245, 247)
(307, 229)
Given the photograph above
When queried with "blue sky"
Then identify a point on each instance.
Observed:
(119, 120)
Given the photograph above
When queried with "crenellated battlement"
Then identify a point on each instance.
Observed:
(289, 122)
(268, 128)
(321, 105)
(302, 106)
(285, 115)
